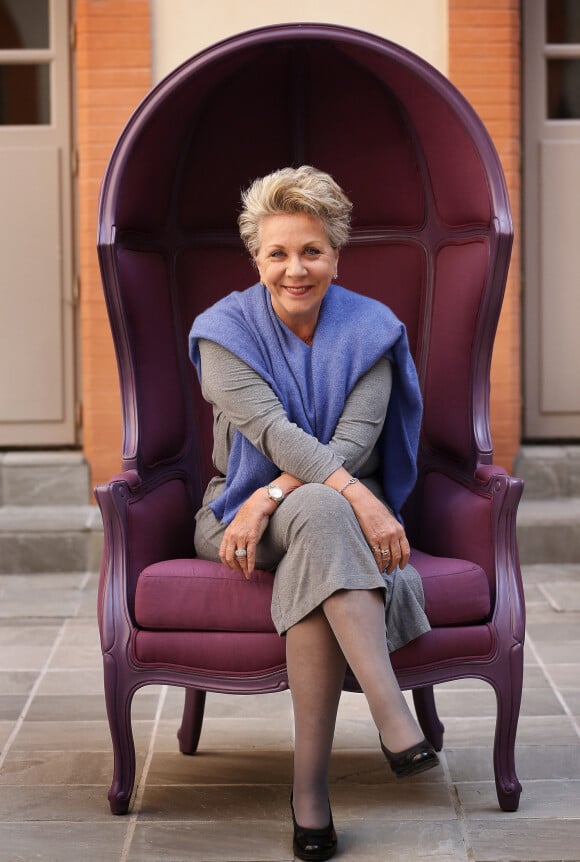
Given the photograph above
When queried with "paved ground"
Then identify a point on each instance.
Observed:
(230, 802)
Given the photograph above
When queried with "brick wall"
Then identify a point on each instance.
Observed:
(484, 63)
(113, 73)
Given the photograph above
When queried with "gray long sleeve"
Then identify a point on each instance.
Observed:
(242, 399)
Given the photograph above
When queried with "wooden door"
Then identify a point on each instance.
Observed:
(37, 307)
(552, 218)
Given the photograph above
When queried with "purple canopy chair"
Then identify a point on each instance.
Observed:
(431, 238)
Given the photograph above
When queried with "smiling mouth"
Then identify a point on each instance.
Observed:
(297, 291)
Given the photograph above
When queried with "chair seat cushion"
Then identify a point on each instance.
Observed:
(456, 591)
(197, 595)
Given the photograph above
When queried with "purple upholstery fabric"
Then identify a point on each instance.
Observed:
(213, 652)
(177, 196)
(447, 500)
(446, 646)
(218, 653)
(456, 591)
(195, 595)
(157, 520)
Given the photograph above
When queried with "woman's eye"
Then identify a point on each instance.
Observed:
(311, 250)
(277, 254)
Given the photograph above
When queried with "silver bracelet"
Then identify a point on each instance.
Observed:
(352, 481)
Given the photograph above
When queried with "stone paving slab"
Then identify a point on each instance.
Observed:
(563, 596)
(229, 803)
(542, 840)
(62, 841)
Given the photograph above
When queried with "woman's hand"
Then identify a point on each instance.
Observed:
(385, 535)
(249, 525)
(245, 531)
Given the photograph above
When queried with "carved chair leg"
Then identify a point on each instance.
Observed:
(424, 700)
(118, 697)
(508, 691)
(192, 720)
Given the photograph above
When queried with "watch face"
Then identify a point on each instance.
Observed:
(276, 493)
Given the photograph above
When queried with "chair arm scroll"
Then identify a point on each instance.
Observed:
(470, 517)
(144, 522)
(506, 493)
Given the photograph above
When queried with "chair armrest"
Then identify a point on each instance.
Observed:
(474, 518)
(144, 522)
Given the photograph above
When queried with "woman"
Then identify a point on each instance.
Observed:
(316, 421)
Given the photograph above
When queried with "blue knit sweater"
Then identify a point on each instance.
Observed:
(312, 383)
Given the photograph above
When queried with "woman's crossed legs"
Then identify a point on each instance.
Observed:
(349, 627)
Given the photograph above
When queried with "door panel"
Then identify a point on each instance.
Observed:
(31, 330)
(560, 275)
(552, 218)
(37, 317)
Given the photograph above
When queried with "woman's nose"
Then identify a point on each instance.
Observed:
(295, 266)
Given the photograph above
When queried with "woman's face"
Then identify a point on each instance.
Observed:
(296, 263)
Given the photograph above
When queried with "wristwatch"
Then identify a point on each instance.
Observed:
(276, 493)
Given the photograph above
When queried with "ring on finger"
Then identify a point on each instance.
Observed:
(385, 552)
(240, 552)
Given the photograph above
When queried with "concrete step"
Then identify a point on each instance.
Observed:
(35, 539)
(44, 479)
(549, 530)
(550, 472)
(47, 521)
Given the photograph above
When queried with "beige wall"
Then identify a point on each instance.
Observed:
(181, 28)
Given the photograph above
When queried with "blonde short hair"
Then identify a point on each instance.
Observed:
(295, 190)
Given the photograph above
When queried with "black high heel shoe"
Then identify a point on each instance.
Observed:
(313, 845)
(411, 761)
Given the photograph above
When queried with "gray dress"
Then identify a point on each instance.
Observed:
(313, 541)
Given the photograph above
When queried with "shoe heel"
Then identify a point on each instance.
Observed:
(418, 758)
